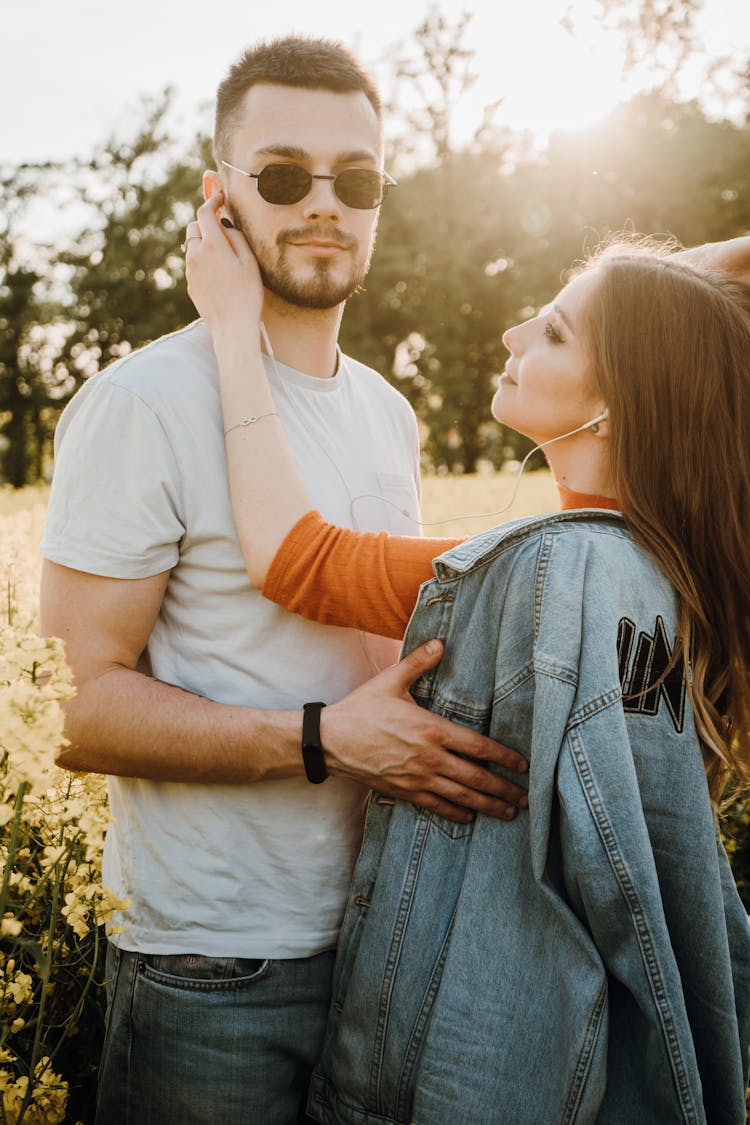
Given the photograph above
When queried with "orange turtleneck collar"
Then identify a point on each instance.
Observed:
(570, 500)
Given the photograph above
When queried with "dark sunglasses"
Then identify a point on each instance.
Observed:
(289, 183)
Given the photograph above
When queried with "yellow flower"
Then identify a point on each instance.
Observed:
(20, 988)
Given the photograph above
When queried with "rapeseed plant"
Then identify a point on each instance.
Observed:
(52, 826)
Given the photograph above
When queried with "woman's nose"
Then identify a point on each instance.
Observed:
(510, 339)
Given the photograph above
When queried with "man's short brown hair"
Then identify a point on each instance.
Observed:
(313, 64)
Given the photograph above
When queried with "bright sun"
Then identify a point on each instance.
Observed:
(548, 78)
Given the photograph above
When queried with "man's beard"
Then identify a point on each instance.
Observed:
(322, 291)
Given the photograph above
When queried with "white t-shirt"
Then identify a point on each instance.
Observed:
(140, 486)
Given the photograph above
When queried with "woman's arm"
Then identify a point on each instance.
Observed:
(731, 256)
(268, 495)
(325, 573)
(366, 580)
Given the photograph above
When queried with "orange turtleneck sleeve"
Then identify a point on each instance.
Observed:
(362, 579)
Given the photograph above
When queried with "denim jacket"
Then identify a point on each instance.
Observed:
(590, 960)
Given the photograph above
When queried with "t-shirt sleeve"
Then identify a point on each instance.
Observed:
(114, 505)
(361, 579)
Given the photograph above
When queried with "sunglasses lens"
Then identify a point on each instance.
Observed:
(289, 183)
(360, 188)
(284, 183)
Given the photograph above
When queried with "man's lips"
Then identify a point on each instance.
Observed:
(321, 245)
(331, 241)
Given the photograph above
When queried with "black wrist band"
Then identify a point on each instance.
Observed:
(312, 748)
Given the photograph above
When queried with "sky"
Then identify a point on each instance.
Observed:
(73, 71)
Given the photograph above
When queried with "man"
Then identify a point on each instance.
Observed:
(190, 685)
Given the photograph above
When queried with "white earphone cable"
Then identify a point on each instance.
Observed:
(450, 519)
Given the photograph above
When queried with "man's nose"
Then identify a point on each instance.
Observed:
(322, 201)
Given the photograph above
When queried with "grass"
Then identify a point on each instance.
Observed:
(452, 498)
(443, 498)
(14, 500)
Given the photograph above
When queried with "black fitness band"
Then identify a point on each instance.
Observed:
(312, 748)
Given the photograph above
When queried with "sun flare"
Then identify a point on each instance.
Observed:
(549, 77)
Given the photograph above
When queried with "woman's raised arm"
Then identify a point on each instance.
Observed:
(731, 257)
(268, 494)
(333, 575)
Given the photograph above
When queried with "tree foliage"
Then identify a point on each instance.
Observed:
(474, 238)
(66, 311)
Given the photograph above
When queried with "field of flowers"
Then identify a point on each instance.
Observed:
(53, 909)
(52, 824)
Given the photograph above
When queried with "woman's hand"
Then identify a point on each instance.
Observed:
(223, 277)
(732, 257)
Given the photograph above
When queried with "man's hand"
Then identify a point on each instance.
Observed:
(378, 735)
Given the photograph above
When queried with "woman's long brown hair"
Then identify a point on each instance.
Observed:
(670, 353)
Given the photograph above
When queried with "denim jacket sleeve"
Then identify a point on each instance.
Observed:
(642, 864)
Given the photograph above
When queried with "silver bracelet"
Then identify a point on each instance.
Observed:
(249, 421)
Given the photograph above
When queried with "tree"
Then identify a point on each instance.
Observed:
(430, 83)
(68, 310)
(24, 345)
(425, 317)
(475, 238)
(658, 37)
(473, 244)
(127, 269)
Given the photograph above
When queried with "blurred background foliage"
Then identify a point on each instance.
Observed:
(475, 237)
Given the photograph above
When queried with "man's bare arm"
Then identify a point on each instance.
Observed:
(124, 722)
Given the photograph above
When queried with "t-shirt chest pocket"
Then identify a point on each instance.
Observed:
(402, 508)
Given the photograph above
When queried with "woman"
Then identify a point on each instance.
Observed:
(589, 962)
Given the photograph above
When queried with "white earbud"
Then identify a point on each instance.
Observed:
(593, 425)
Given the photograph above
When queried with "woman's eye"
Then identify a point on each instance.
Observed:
(551, 333)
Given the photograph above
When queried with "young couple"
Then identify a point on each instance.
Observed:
(598, 935)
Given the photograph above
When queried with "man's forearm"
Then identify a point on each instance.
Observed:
(124, 722)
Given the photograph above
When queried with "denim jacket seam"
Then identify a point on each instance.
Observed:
(404, 1093)
(451, 708)
(541, 571)
(603, 521)
(594, 706)
(649, 954)
(552, 671)
(394, 957)
(517, 680)
(441, 617)
(585, 1056)
(440, 704)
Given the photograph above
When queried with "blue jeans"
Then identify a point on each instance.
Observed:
(195, 1040)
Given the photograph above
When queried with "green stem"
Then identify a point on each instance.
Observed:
(44, 976)
(15, 826)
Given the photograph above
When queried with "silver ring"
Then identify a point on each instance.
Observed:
(184, 245)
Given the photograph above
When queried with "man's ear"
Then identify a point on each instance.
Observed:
(211, 183)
